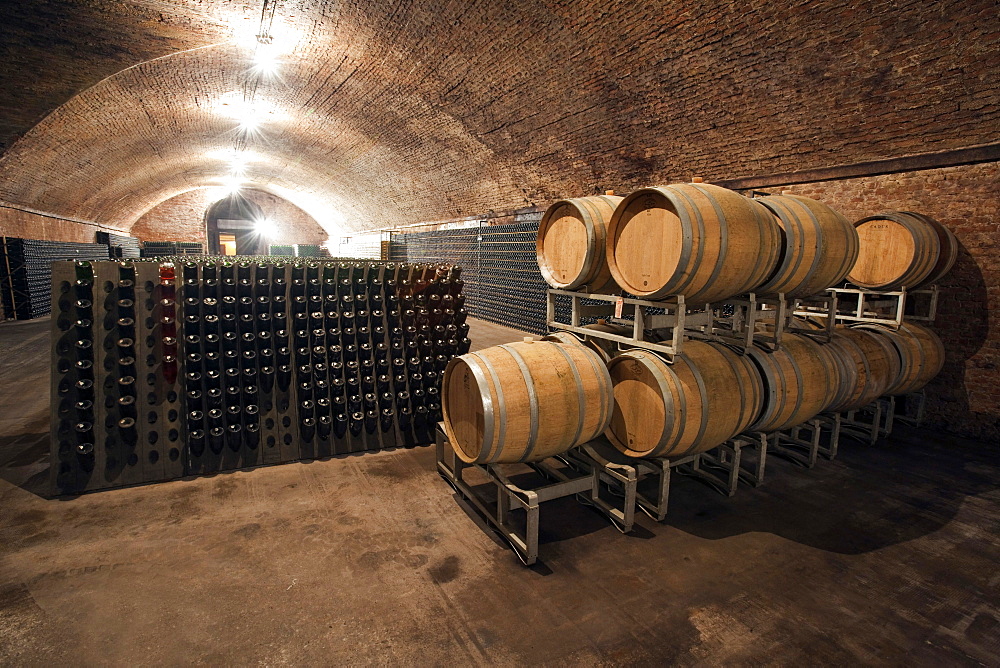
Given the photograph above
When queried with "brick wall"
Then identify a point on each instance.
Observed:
(182, 218)
(965, 398)
(28, 225)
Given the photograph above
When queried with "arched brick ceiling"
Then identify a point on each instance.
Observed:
(53, 49)
(394, 112)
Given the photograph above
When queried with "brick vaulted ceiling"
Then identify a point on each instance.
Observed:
(401, 111)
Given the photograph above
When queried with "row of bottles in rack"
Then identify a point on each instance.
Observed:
(218, 365)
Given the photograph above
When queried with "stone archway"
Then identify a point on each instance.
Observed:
(236, 215)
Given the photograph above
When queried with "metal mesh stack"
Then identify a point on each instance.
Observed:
(154, 249)
(501, 273)
(120, 246)
(185, 367)
(26, 272)
(298, 250)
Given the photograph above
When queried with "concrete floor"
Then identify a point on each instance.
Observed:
(887, 554)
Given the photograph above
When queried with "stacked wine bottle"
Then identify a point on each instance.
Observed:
(244, 363)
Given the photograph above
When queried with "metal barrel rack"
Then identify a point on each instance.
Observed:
(722, 468)
(913, 408)
(663, 326)
(858, 305)
(597, 475)
(806, 442)
(869, 423)
(563, 476)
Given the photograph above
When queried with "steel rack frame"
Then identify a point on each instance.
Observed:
(914, 415)
(722, 468)
(858, 305)
(854, 425)
(730, 459)
(560, 483)
(804, 443)
(680, 321)
(823, 305)
(618, 477)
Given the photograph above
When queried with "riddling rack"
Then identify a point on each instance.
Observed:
(187, 367)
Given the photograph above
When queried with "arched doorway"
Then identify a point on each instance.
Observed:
(231, 227)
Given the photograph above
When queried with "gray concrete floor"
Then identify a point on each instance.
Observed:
(887, 554)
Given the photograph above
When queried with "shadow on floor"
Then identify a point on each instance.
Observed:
(867, 499)
(24, 462)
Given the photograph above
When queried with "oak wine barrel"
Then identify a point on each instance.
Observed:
(902, 249)
(867, 368)
(800, 380)
(693, 239)
(707, 396)
(571, 240)
(920, 355)
(523, 402)
(818, 246)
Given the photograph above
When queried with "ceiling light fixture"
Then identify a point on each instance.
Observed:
(265, 60)
(232, 184)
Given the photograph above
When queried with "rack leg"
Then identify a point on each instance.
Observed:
(792, 446)
(620, 479)
(655, 505)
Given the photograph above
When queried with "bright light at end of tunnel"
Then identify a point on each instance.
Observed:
(266, 227)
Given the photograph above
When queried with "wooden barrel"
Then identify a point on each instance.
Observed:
(800, 380)
(818, 246)
(920, 355)
(902, 249)
(867, 368)
(571, 240)
(603, 347)
(523, 402)
(692, 239)
(708, 395)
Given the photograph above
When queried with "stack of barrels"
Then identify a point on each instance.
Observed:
(527, 401)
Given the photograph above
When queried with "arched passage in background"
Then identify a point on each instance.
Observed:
(235, 226)
(184, 217)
